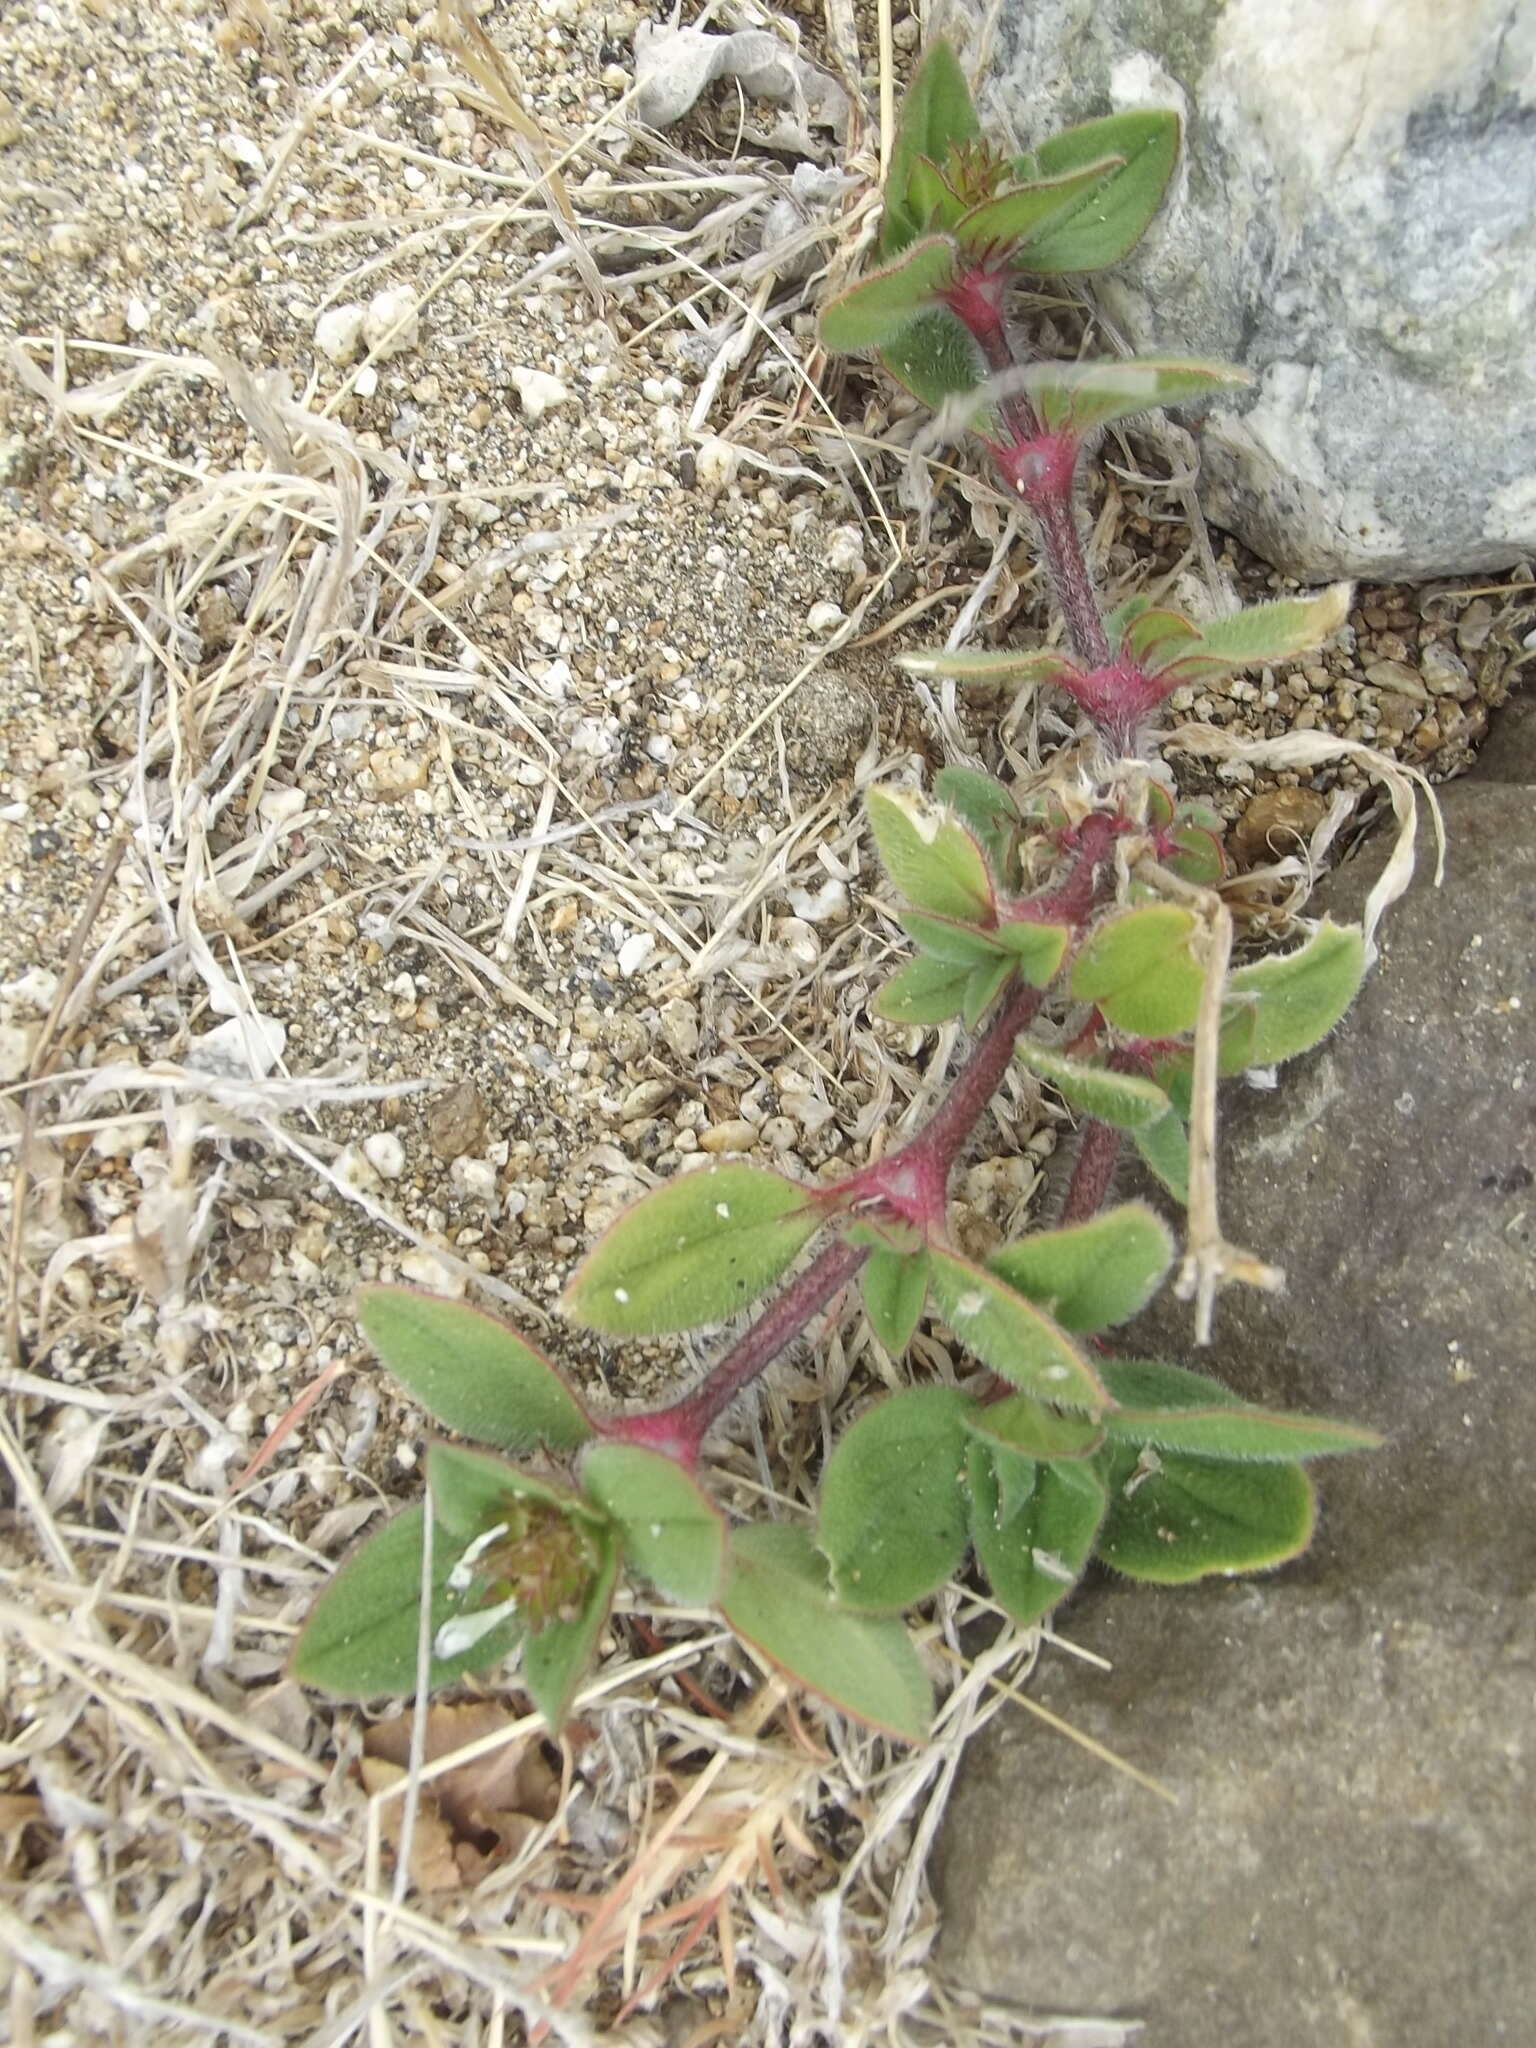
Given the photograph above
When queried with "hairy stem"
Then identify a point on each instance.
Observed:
(679, 1430)
(1068, 569)
(1093, 1171)
(942, 1137)
(913, 1179)
(1050, 499)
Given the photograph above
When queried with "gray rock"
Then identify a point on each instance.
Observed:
(1353, 223)
(1350, 1741)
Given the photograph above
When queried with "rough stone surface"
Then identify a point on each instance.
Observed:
(1349, 1743)
(1352, 223)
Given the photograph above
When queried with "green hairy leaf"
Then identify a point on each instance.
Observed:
(937, 113)
(986, 807)
(778, 1600)
(930, 856)
(1173, 1519)
(988, 665)
(670, 1531)
(558, 1656)
(1128, 1101)
(1177, 1410)
(1264, 632)
(1139, 970)
(470, 1372)
(925, 991)
(1009, 1333)
(1034, 1553)
(1116, 217)
(880, 307)
(957, 945)
(1164, 1148)
(1197, 855)
(1037, 950)
(1029, 1429)
(984, 985)
(1148, 633)
(1089, 1276)
(1010, 223)
(1078, 397)
(1291, 1001)
(893, 1517)
(359, 1640)
(895, 1293)
(692, 1252)
(935, 358)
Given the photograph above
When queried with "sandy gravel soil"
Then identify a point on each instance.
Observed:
(445, 613)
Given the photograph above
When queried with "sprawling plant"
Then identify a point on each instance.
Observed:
(1082, 932)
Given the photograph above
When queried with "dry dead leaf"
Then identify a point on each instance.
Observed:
(475, 1815)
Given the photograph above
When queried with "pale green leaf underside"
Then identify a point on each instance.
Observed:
(778, 1600)
(1090, 1276)
(1128, 1101)
(892, 1519)
(1082, 396)
(470, 1372)
(1291, 1001)
(670, 1532)
(1178, 1410)
(1279, 631)
(1010, 1334)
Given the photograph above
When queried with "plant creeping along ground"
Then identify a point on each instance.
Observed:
(1078, 927)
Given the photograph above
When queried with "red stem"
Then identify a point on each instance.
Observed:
(679, 1430)
(912, 1181)
(1093, 1171)
(1050, 498)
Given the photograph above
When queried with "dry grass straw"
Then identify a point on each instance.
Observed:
(191, 1855)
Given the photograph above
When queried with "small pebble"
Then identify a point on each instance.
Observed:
(735, 1135)
(715, 462)
(391, 322)
(1397, 677)
(1277, 822)
(845, 551)
(456, 1121)
(538, 392)
(385, 1154)
(339, 332)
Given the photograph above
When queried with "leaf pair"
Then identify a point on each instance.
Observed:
(1166, 1489)
(1124, 160)
(952, 208)
(1165, 644)
(942, 856)
(1139, 971)
(1155, 647)
(1014, 1312)
(517, 1561)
